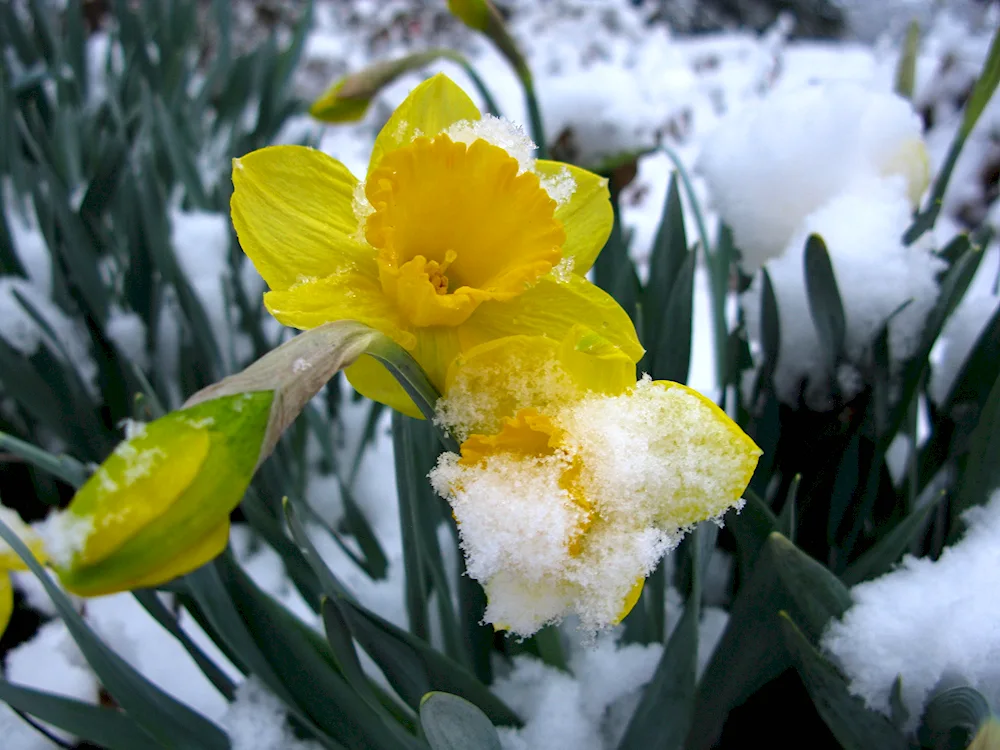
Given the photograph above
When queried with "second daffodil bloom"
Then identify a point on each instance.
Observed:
(10, 561)
(566, 505)
(456, 237)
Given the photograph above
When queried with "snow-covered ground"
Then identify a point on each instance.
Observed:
(619, 85)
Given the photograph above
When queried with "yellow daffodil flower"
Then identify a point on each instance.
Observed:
(574, 479)
(456, 237)
(159, 506)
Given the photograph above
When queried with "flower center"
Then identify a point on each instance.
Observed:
(440, 206)
(435, 272)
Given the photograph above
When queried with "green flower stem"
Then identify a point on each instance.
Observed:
(477, 81)
(63, 467)
(414, 380)
(718, 272)
(534, 114)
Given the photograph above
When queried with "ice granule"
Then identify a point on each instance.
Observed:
(771, 164)
(132, 428)
(513, 504)
(637, 468)
(943, 610)
(876, 275)
(500, 132)
(362, 210)
(560, 186)
(477, 399)
(64, 535)
(588, 707)
(257, 720)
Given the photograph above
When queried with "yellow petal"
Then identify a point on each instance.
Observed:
(728, 455)
(431, 108)
(293, 211)
(631, 599)
(136, 485)
(6, 601)
(498, 378)
(552, 308)
(370, 378)
(9, 560)
(351, 294)
(527, 434)
(594, 363)
(586, 216)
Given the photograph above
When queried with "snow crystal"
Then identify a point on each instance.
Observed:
(64, 534)
(560, 187)
(479, 397)
(362, 210)
(257, 720)
(944, 610)
(774, 162)
(122, 623)
(586, 709)
(499, 132)
(52, 662)
(876, 275)
(563, 270)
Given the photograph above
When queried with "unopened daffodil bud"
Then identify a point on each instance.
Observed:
(348, 99)
(159, 505)
(483, 16)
